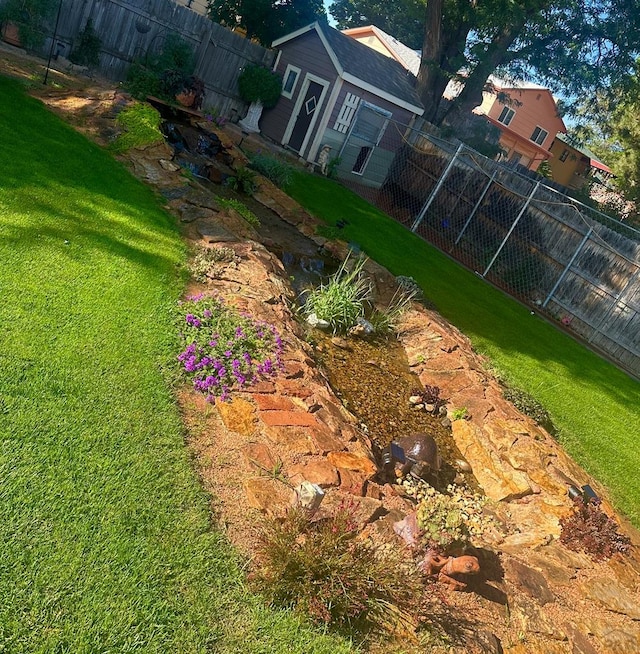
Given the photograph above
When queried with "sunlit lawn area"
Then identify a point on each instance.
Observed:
(106, 542)
(595, 406)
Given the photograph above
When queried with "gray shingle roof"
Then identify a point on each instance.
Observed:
(370, 66)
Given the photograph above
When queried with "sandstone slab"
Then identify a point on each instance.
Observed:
(268, 495)
(351, 461)
(318, 472)
(612, 596)
(528, 580)
(238, 415)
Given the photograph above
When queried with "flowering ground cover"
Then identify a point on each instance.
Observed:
(106, 543)
(594, 406)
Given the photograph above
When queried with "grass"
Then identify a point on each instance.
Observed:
(594, 406)
(106, 542)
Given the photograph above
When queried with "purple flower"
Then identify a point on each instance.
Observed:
(228, 353)
(207, 313)
(192, 320)
(239, 332)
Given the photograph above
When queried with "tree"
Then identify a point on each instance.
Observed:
(266, 20)
(403, 19)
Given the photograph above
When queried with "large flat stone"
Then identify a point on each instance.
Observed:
(238, 415)
(499, 480)
(212, 232)
(612, 596)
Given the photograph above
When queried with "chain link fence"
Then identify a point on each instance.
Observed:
(577, 266)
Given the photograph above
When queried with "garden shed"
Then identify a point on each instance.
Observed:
(334, 87)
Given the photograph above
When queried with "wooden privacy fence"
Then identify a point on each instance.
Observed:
(136, 29)
(563, 259)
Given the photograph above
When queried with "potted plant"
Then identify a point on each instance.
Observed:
(260, 87)
(29, 17)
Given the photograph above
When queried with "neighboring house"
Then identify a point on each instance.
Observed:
(527, 116)
(199, 6)
(386, 44)
(573, 165)
(327, 79)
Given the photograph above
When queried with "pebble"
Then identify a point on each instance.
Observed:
(461, 465)
(415, 399)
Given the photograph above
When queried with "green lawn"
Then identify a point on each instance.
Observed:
(105, 534)
(595, 406)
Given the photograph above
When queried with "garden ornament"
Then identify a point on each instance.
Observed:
(450, 569)
(323, 159)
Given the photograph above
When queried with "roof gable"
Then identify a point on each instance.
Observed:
(364, 67)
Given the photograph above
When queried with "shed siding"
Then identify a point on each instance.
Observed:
(308, 54)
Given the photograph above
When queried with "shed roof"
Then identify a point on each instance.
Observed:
(364, 67)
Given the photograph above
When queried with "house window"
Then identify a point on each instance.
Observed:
(539, 135)
(362, 160)
(564, 156)
(506, 115)
(347, 112)
(290, 79)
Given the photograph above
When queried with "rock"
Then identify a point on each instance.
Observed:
(325, 441)
(579, 642)
(489, 643)
(260, 456)
(314, 321)
(268, 495)
(291, 441)
(211, 232)
(528, 580)
(363, 509)
(415, 399)
(534, 619)
(341, 343)
(408, 529)
(362, 329)
(461, 465)
(612, 596)
(318, 472)
(355, 462)
(169, 165)
(353, 482)
(496, 477)
(238, 415)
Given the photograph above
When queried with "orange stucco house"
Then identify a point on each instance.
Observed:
(527, 117)
(574, 165)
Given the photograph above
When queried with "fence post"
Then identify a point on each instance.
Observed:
(567, 267)
(515, 222)
(478, 203)
(436, 190)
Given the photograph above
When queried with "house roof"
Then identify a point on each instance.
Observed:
(409, 58)
(364, 67)
(594, 162)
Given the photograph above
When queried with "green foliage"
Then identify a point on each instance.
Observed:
(163, 75)
(259, 84)
(244, 181)
(451, 520)
(404, 19)
(320, 567)
(544, 169)
(385, 321)
(274, 169)
(460, 414)
(206, 262)
(141, 124)
(266, 20)
(332, 167)
(87, 49)
(329, 232)
(342, 300)
(242, 209)
(589, 529)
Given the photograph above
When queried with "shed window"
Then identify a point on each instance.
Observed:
(539, 135)
(290, 79)
(506, 115)
(565, 155)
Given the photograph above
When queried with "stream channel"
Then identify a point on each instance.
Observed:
(372, 378)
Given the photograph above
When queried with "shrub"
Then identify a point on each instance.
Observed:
(141, 123)
(242, 209)
(259, 84)
(31, 17)
(322, 568)
(224, 349)
(244, 181)
(386, 320)
(87, 50)
(164, 75)
(588, 528)
(206, 260)
(342, 300)
(279, 172)
(451, 520)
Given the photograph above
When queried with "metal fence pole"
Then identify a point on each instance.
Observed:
(567, 267)
(478, 203)
(515, 222)
(436, 190)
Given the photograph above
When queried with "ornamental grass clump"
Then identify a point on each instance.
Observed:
(325, 569)
(343, 299)
(223, 349)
